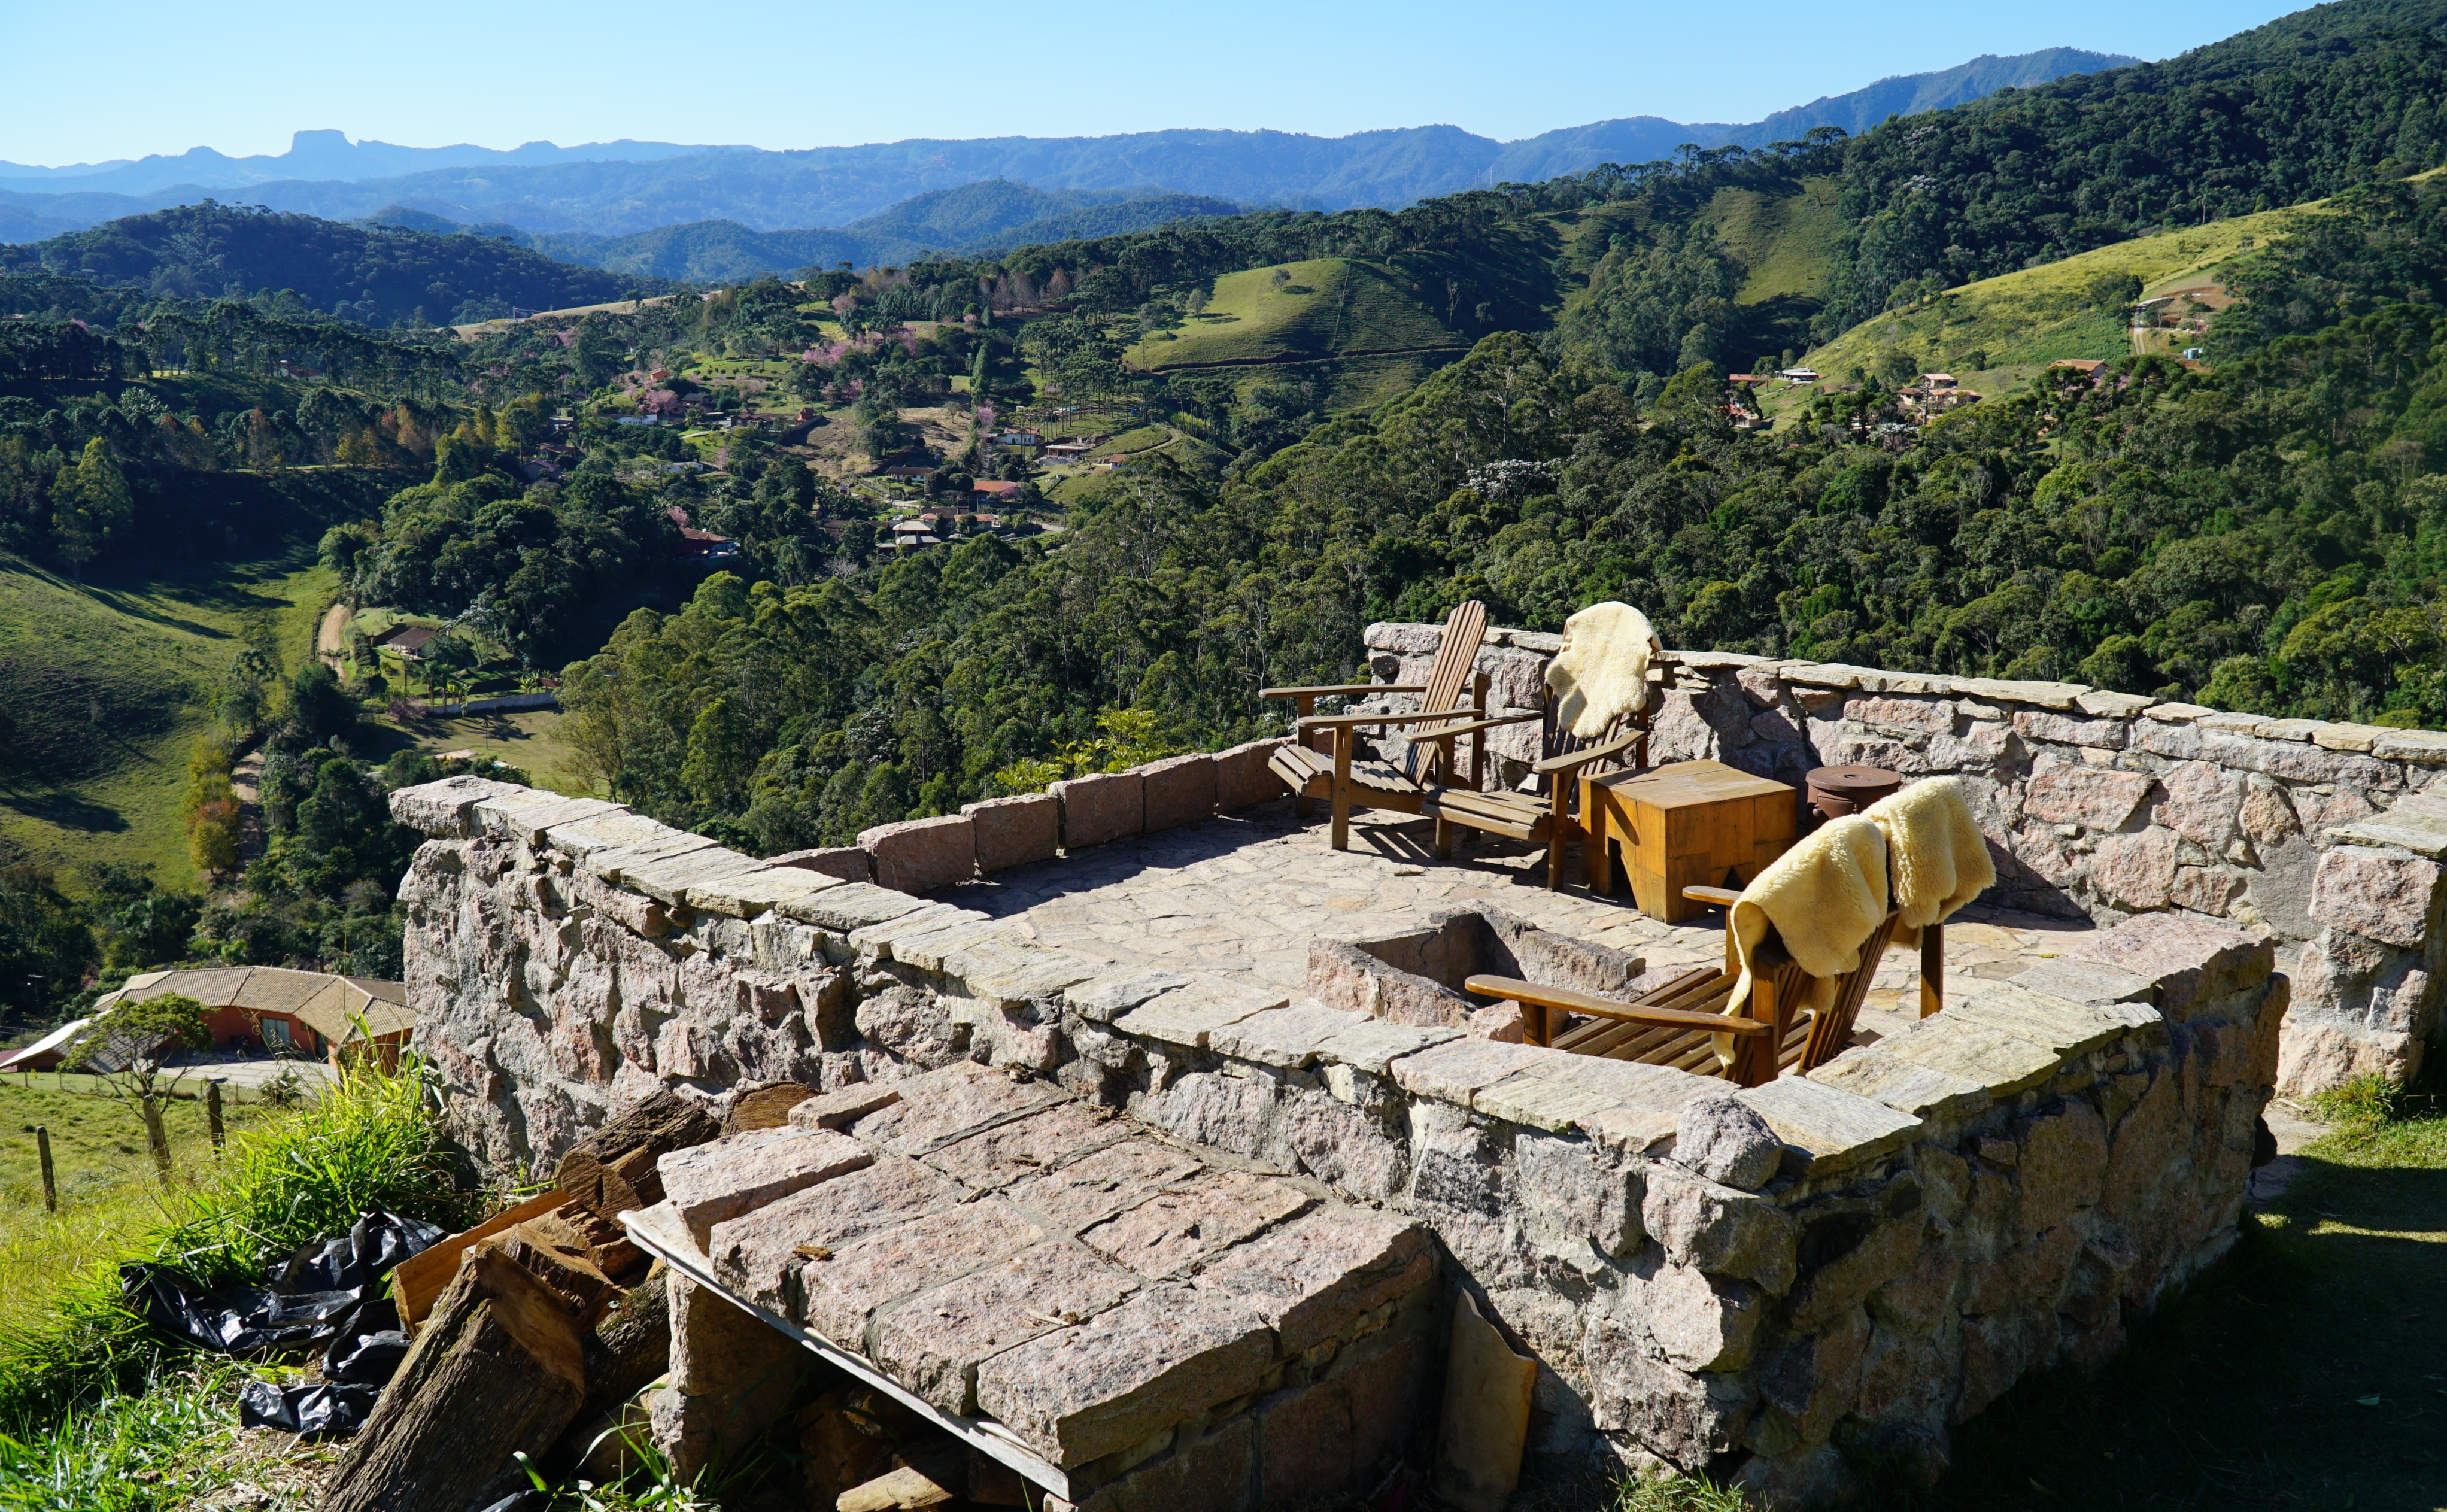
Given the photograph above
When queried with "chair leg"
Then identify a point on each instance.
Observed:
(1932, 968)
(1597, 865)
(1443, 840)
(1343, 739)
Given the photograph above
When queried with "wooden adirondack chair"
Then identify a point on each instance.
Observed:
(1452, 703)
(1552, 817)
(1674, 1025)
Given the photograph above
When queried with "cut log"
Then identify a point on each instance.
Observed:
(763, 1104)
(628, 1347)
(496, 1370)
(615, 1254)
(552, 1252)
(612, 1170)
(420, 1278)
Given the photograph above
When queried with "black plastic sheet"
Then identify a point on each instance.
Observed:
(323, 1410)
(329, 1292)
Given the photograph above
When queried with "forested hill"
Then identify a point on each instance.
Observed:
(376, 276)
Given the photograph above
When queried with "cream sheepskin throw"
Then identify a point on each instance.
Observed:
(1601, 672)
(1939, 858)
(1824, 897)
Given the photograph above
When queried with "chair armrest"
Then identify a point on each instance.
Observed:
(1721, 896)
(1476, 725)
(1581, 758)
(1333, 721)
(1352, 687)
(1596, 1007)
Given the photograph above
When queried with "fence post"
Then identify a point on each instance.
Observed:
(213, 1114)
(51, 1181)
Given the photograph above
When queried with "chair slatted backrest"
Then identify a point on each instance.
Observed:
(1831, 1031)
(1449, 687)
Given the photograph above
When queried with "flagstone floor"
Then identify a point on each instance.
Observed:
(1243, 896)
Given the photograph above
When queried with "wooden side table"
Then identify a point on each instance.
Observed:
(1685, 825)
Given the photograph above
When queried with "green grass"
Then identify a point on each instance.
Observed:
(140, 650)
(1328, 304)
(527, 739)
(2041, 314)
(1786, 242)
(65, 1341)
(97, 1145)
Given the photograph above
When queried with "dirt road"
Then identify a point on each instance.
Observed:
(330, 636)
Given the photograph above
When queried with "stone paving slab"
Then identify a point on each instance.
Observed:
(1080, 1394)
(840, 1290)
(755, 1252)
(708, 1183)
(941, 1106)
(1040, 1141)
(1096, 1186)
(1826, 1129)
(932, 1342)
(1315, 1277)
(1183, 1225)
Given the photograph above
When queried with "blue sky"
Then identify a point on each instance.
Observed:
(148, 76)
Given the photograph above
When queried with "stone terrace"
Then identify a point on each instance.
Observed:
(1242, 896)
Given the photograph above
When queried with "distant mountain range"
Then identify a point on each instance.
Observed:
(978, 218)
(619, 189)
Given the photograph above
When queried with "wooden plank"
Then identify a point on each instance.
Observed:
(1589, 1003)
(417, 1280)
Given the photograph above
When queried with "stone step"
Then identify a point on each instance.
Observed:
(1007, 1253)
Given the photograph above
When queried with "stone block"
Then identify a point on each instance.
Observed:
(2137, 871)
(1241, 778)
(1290, 1037)
(1107, 807)
(996, 1157)
(1176, 791)
(747, 894)
(985, 941)
(2317, 1057)
(757, 1253)
(1314, 1277)
(1089, 1190)
(2100, 704)
(1561, 1091)
(2003, 1063)
(2188, 961)
(2080, 981)
(1193, 1221)
(2425, 745)
(2062, 1027)
(529, 820)
(709, 1183)
(850, 863)
(2098, 735)
(1922, 1092)
(614, 863)
(2100, 797)
(1187, 1015)
(1102, 999)
(1719, 1229)
(876, 939)
(851, 907)
(732, 1376)
(1113, 1381)
(1457, 1069)
(2424, 834)
(668, 883)
(951, 1103)
(1015, 831)
(1826, 1130)
(922, 854)
(2043, 694)
(1577, 1200)
(583, 837)
(1698, 1322)
(1373, 1046)
(1726, 1141)
(843, 1105)
(2393, 900)
(446, 810)
(843, 1288)
(932, 1342)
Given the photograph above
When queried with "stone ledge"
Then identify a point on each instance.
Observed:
(1827, 1131)
(1189, 1015)
(446, 810)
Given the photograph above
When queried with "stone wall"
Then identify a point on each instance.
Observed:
(2102, 804)
(1853, 1261)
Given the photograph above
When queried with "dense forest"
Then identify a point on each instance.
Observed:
(376, 275)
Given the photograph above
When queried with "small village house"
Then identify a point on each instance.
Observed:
(274, 1009)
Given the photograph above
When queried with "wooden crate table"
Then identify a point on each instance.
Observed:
(1685, 825)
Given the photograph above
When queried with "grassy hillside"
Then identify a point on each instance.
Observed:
(1786, 242)
(1325, 307)
(108, 680)
(2068, 308)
